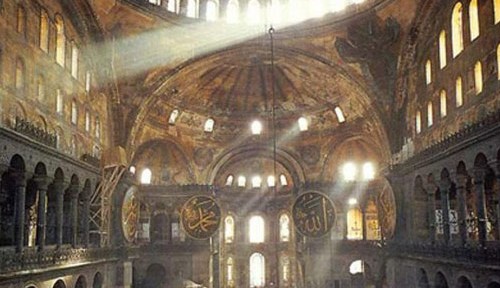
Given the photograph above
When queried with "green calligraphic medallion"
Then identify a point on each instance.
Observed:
(313, 214)
(200, 217)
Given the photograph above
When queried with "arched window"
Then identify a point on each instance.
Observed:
(283, 180)
(21, 20)
(97, 128)
(442, 49)
(496, 10)
(229, 229)
(59, 102)
(211, 11)
(284, 228)
(146, 176)
(88, 81)
(354, 224)
(41, 89)
(191, 8)
(257, 270)
(318, 9)
(274, 11)
(430, 114)
(418, 122)
(44, 31)
(256, 181)
(20, 74)
(357, 267)
(60, 41)
(253, 12)
(457, 42)
(172, 6)
(478, 77)
(209, 125)
(74, 112)
(232, 11)
(428, 72)
(256, 229)
(271, 181)
(443, 102)
(256, 127)
(285, 269)
(349, 171)
(473, 20)
(242, 181)
(303, 124)
(87, 120)
(173, 117)
(74, 61)
(459, 97)
(229, 180)
(74, 148)
(339, 114)
(368, 171)
(230, 271)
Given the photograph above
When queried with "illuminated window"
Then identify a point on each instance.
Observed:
(430, 116)
(191, 8)
(371, 221)
(87, 120)
(284, 228)
(303, 125)
(73, 147)
(172, 6)
(256, 229)
(283, 180)
(459, 97)
(229, 180)
(428, 72)
(44, 31)
(256, 127)
(318, 9)
(339, 114)
(352, 201)
(357, 267)
(156, 2)
(74, 61)
(88, 81)
(209, 125)
(59, 102)
(257, 270)
(473, 20)
(275, 11)
(368, 171)
(253, 12)
(478, 77)
(296, 10)
(349, 171)
(74, 112)
(230, 276)
(285, 269)
(443, 102)
(442, 49)
(457, 42)
(97, 128)
(418, 122)
(496, 10)
(229, 229)
(132, 169)
(146, 176)
(60, 41)
(233, 11)
(20, 71)
(242, 181)
(211, 12)
(173, 117)
(41, 89)
(21, 20)
(271, 182)
(256, 181)
(354, 224)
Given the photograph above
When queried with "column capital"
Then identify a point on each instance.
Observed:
(479, 174)
(74, 190)
(461, 180)
(42, 182)
(444, 184)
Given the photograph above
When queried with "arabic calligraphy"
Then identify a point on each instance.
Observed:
(313, 214)
(130, 214)
(200, 217)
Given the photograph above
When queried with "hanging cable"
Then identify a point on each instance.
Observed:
(273, 108)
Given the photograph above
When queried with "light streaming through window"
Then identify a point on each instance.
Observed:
(242, 181)
(257, 270)
(211, 12)
(209, 125)
(256, 181)
(146, 176)
(229, 180)
(173, 117)
(303, 124)
(271, 181)
(356, 267)
(256, 127)
(340, 115)
(368, 171)
(349, 171)
(232, 12)
(256, 229)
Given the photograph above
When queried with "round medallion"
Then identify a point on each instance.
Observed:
(200, 217)
(313, 214)
(130, 214)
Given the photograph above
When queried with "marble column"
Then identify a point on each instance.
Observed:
(497, 194)
(58, 187)
(74, 190)
(462, 208)
(431, 212)
(85, 215)
(444, 190)
(479, 175)
(20, 192)
(42, 183)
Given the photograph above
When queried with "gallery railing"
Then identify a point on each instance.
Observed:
(34, 132)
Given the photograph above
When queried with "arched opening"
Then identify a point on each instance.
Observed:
(155, 276)
(457, 29)
(44, 31)
(98, 280)
(361, 276)
(232, 11)
(60, 41)
(229, 229)
(257, 270)
(253, 12)
(459, 98)
(59, 284)
(81, 282)
(428, 72)
(463, 282)
(284, 228)
(478, 77)
(442, 49)
(493, 284)
(355, 223)
(473, 20)
(159, 228)
(423, 281)
(440, 281)
(256, 229)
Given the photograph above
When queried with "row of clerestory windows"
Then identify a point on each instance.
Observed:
(257, 229)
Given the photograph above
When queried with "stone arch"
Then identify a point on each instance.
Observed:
(422, 279)
(493, 285)
(59, 284)
(156, 276)
(81, 282)
(98, 280)
(464, 282)
(440, 280)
